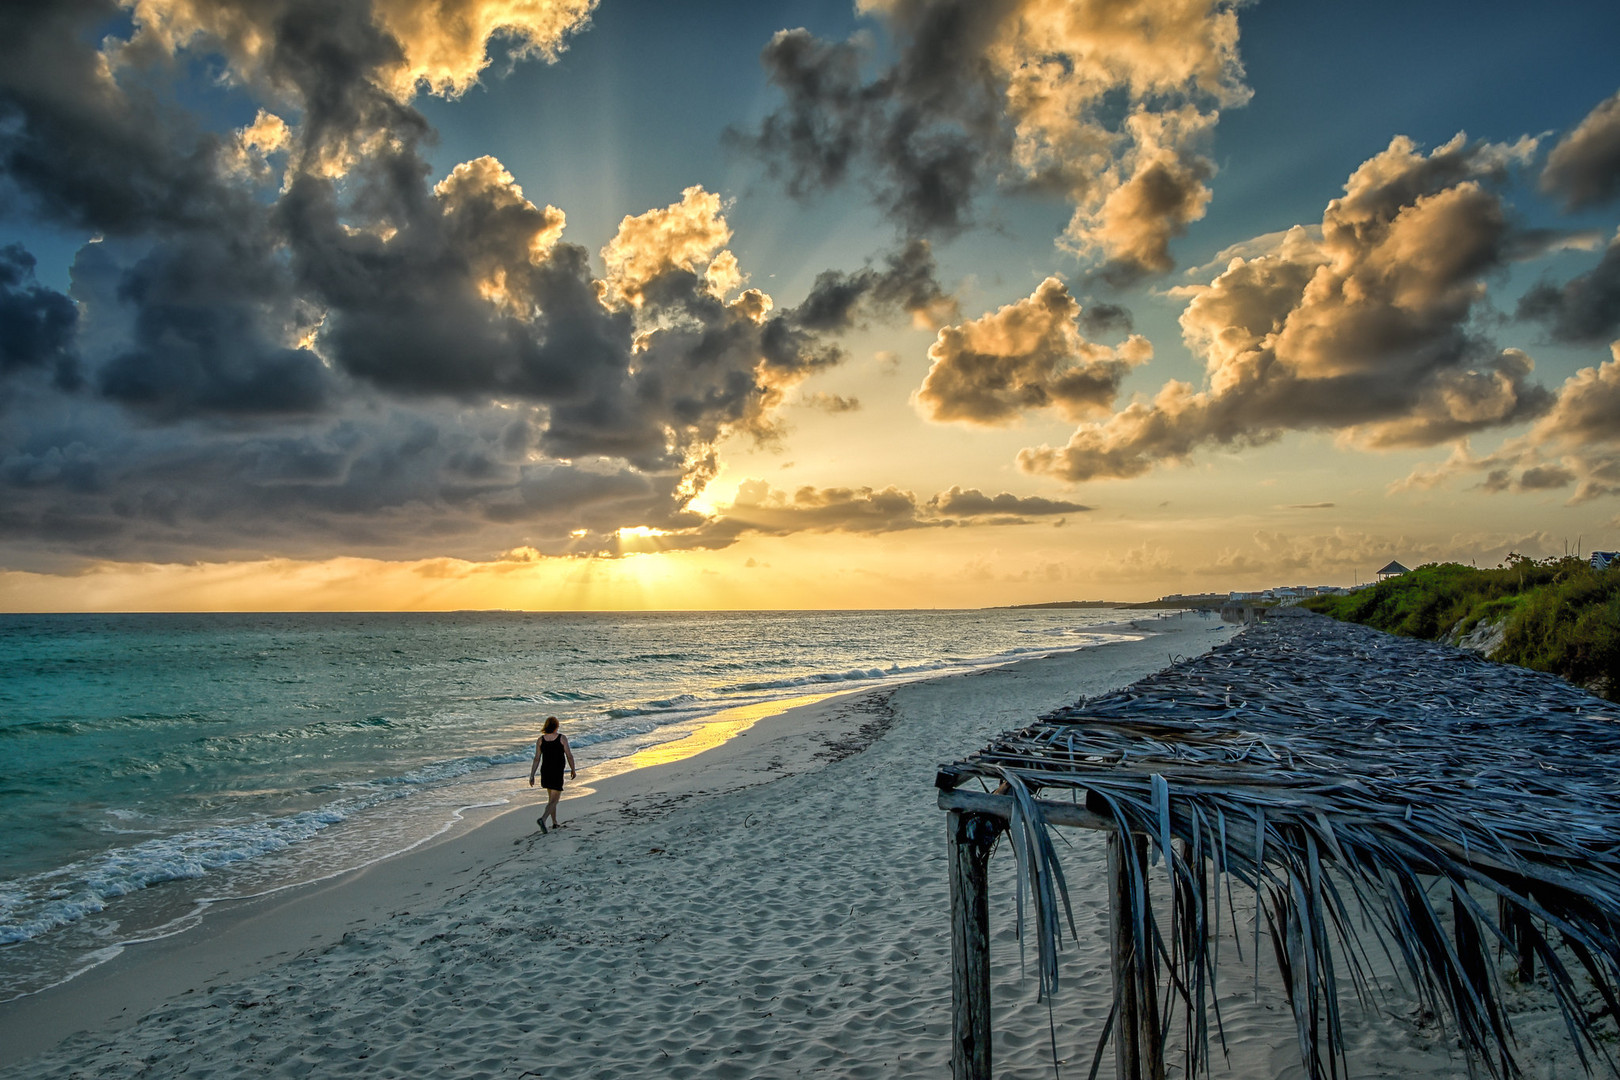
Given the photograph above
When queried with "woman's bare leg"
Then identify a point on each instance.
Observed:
(552, 796)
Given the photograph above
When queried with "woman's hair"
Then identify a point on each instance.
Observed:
(551, 725)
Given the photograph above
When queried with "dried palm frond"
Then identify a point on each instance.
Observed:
(1344, 776)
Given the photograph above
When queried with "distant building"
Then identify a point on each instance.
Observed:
(1392, 569)
(1602, 560)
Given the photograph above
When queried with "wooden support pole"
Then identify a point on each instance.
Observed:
(1138, 1048)
(1514, 920)
(970, 836)
(1520, 933)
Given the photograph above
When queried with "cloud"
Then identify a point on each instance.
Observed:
(1164, 192)
(833, 403)
(37, 324)
(446, 44)
(294, 339)
(209, 326)
(106, 147)
(1586, 308)
(1588, 407)
(1364, 330)
(760, 509)
(1110, 105)
(974, 503)
(438, 45)
(923, 132)
(1576, 442)
(86, 151)
(1106, 319)
(391, 482)
(685, 236)
(475, 295)
(1027, 355)
(906, 282)
(1583, 169)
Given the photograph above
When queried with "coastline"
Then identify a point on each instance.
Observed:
(803, 755)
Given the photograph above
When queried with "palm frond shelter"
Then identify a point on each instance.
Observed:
(1467, 812)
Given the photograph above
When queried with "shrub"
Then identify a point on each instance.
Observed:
(1561, 615)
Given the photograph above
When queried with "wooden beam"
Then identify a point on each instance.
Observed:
(970, 836)
(1000, 806)
(1077, 816)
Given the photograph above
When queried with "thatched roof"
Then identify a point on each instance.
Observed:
(1334, 769)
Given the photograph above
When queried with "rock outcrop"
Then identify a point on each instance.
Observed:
(1485, 638)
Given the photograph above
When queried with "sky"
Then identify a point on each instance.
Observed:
(622, 304)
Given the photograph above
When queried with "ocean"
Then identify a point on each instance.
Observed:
(156, 764)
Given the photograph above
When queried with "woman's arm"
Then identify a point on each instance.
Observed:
(572, 772)
(536, 766)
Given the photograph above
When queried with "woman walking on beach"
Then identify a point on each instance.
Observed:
(549, 751)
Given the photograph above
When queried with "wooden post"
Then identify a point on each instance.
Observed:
(1521, 936)
(1138, 1049)
(970, 837)
(1520, 933)
(1514, 919)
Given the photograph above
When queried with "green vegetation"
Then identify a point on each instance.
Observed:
(1558, 615)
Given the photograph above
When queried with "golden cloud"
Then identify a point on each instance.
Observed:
(446, 42)
(501, 233)
(686, 235)
(1029, 354)
(443, 44)
(255, 142)
(1136, 187)
(1361, 328)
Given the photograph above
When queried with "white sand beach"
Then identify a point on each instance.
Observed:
(774, 906)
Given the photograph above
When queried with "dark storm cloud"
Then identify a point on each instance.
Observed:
(1110, 105)
(405, 312)
(1099, 319)
(1586, 308)
(401, 483)
(927, 128)
(1584, 168)
(293, 338)
(85, 153)
(37, 324)
(906, 282)
(211, 313)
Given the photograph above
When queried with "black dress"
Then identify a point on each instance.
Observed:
(551, 763)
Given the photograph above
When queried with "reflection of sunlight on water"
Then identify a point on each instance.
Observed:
(709, 733)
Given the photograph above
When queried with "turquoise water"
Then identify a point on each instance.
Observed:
(154, 763)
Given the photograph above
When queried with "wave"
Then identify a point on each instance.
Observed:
(546, 697)
(27, 728)
(36, 905)
(31, 729)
